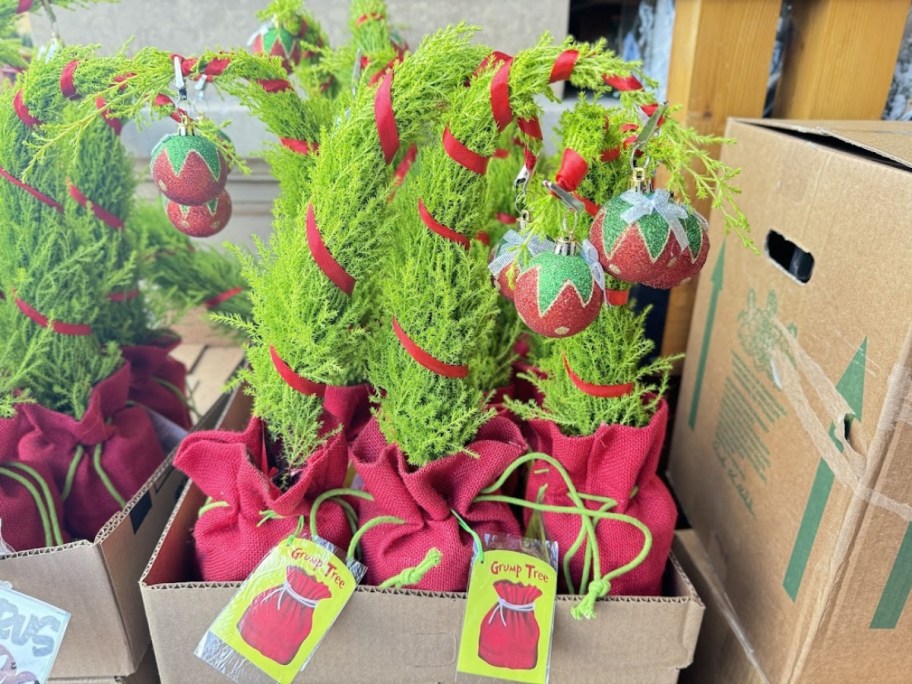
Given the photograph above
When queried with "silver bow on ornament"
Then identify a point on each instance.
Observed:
(661, 203)
(512, 242)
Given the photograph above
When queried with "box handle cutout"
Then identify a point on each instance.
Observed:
(789, 257)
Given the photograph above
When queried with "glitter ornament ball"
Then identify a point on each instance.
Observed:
(188, 169)
(276, 41)
(650, 239)
(202, 220)
(556, 295)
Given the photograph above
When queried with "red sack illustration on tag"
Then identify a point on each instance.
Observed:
(248, 513)
(425, 499)
(279, 620)
(509, 632)
(617, 462)
(159, 381)
(99, 461)
(30, 507)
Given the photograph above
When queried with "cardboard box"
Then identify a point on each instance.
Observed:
(146, 674)
(412, 636)
(723, 655)
(790, 455)
(97, 582)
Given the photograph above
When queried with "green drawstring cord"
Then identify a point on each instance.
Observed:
(476, 540)
(600, 586)
(185, 400)
(211, 504)
(71, 471)
(571, 494)
(103, 476)
(414, 575)
(45, 504)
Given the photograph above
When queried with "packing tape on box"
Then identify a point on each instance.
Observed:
(795, 369)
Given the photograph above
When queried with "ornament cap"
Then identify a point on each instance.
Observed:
(566, 247)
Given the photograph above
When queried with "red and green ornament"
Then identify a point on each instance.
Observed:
(202, 220)
(277, 41)
(557, 295)
(648, 238)
(188, 169)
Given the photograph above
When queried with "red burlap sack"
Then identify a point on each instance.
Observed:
(618, 462)
(350, 406)
(100, 461)
(279, 620)
(11, 430)
(423, 498)
(249, 513)
(158, 380)
(509, 632)
(30, 507)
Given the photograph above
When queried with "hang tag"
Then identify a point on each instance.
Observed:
(270, 629)
(31, 632)
(509, 618)
(5, 549)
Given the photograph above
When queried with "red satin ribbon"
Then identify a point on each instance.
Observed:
(213, 68)
(500, 93)
(222, 297)
(67, 86)
(483, 238)
(617, 297)
(24, 6)
(162, 100)
(22, 111)
(622, 83)
(650, 109)
(593, 390)
(390, 65)
(300, 146)
(100, 213)
(611, 154)
(506, 219)
(123, 296)
(330, 267)
(292, 379)
(462, 155)
(591, 207)
(530, 158)
(403, 168)
(573, 169)
(373, 16)
(115, 123)
(34, 192)
(437, 366)
(274, 85)
(385, 119)
(441, 230)
(563, 66)
(530, 127)
(76, 329)
(501, 153)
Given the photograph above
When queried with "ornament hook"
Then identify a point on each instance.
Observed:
(568, 200)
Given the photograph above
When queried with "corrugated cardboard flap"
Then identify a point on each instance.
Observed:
(891, 141)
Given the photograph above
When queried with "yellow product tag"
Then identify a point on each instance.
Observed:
(509, 618)
(281, 612)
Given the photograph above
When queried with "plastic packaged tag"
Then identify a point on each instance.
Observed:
(31, 632)
(509, 618)
(270, 629)
(5, 549)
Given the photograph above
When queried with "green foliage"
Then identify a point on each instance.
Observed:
(179, 275)
(62, 265)
(314, 326)
(610, 351)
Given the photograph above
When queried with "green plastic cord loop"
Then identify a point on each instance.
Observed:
(414, 575)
